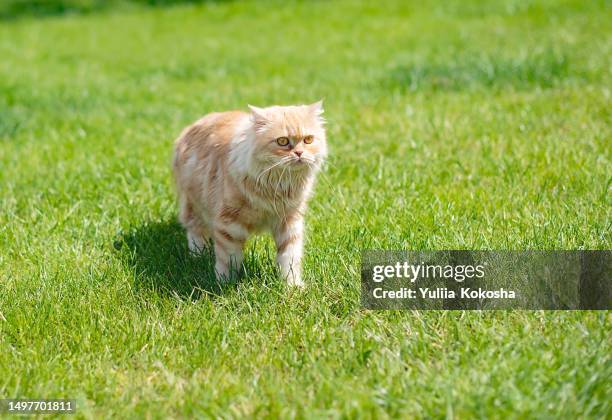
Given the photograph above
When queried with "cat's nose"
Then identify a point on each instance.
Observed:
(298, 152)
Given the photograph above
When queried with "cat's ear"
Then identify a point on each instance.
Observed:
(316, 108)
(259, 117)
(259, 114)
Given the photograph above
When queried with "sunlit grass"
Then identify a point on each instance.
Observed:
(451, 125)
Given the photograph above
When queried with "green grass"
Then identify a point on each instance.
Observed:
(476, 125)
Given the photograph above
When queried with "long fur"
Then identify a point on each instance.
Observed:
(234, 179)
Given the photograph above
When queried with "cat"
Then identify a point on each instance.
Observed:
(239, 173)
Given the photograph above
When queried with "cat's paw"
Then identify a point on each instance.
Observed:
(294, 281)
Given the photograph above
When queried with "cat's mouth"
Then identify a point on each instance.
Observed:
(302, 162)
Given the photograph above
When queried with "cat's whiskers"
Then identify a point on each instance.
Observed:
(266, 170)
(262, 173)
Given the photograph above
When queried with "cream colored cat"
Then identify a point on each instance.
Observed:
(239, 173)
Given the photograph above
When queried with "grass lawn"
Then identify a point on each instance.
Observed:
(452, 125)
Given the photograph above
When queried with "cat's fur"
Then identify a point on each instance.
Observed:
(234, 179)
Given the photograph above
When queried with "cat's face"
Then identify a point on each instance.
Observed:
(290, 136)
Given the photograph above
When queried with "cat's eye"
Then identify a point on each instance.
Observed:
(308, 139)
(282, 141)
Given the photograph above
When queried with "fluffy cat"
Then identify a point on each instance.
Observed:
(239, 173)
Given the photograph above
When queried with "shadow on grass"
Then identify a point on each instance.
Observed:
(158, 254)
(14, 9)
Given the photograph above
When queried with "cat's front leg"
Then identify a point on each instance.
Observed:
(289, 238)
(228, 254)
